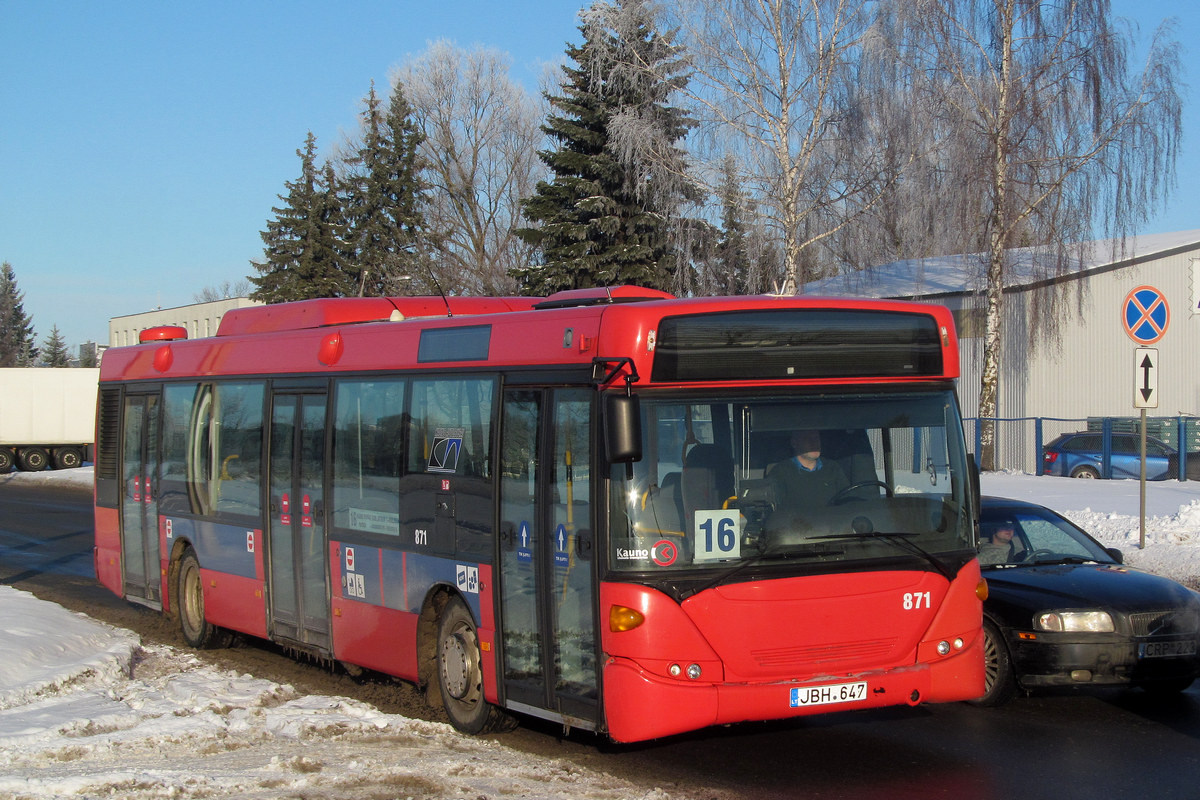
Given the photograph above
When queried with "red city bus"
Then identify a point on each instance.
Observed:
(586, 508)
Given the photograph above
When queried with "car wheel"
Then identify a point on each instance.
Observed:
(1085, 472)
(460, 673)
(1000, 683)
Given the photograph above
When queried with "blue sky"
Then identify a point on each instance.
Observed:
(143, 144)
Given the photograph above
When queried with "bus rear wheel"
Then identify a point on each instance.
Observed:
(460, 673)
(189, 602)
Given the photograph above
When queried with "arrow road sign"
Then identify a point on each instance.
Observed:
(1145, 377)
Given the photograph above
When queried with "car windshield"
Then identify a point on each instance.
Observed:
(1031, 535)
(728, 481)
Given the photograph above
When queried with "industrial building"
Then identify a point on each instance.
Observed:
(1073, 361)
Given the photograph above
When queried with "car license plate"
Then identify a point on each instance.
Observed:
(1181, 647)
(804, 696)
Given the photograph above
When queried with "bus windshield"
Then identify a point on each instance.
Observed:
(831, 478)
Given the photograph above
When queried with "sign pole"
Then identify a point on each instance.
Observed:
(1146, 315)
(1142, 507)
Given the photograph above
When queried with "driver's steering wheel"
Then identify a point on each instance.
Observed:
(844, 493)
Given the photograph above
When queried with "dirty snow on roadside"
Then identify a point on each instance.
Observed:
(86, 711)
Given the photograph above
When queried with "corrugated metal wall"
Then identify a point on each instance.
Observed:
(1088, 369)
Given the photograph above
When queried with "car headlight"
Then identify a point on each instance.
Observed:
(1075, 621)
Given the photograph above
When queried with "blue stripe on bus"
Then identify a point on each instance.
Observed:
(223, 548)
(400, 580)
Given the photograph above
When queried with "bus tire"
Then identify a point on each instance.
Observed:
(197, 631)
(33, 459)
(68, 458)
(460, 672)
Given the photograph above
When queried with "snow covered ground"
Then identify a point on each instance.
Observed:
(86, 710)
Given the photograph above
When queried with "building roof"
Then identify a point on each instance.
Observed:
(964, 274)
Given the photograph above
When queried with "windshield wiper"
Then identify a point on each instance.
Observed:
(900, 540)
(778, 551)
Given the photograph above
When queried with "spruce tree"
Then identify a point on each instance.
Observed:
(16, 329)
(732, 259)
(54, 351)
(306, 255)
(386, 196)
(605, 216)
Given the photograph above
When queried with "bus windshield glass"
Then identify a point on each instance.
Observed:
(832, 478)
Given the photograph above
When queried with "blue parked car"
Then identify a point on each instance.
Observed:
(1080, 455)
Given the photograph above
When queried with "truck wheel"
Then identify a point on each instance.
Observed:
(68, 458)
(6, 460)
(33, 459)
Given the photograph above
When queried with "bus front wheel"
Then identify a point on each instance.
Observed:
(460, 672)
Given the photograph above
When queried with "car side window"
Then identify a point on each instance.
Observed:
(1126, 444)
(1042, 534)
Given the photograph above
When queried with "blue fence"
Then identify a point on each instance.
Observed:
(1020, 441)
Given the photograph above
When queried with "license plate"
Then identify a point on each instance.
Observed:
(1183, 647)
(805, 696)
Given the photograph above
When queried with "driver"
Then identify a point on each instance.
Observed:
(805, 480)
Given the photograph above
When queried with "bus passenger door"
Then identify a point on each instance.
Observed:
(139, 499)
(546, 558)
(297, 555)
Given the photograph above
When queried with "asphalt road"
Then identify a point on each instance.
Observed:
(1108, 744)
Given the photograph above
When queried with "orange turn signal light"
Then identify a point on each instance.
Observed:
(981, 590)
(623, 618)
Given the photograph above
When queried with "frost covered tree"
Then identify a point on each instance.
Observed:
(16, 328)
(479, 145)
(1049, 135)
(617, 171)
(306, 254)
(776, 83)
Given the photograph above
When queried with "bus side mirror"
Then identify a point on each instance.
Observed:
(623, 428)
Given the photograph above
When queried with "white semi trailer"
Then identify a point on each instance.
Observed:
(47, 417)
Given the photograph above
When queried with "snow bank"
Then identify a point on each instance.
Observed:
(85, 711)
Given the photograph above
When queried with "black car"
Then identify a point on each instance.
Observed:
(1064, 611)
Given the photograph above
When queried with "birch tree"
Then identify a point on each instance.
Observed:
(775, 82)
(481, 136)
(1051, 135)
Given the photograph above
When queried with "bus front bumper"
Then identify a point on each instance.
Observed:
(641, 705)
